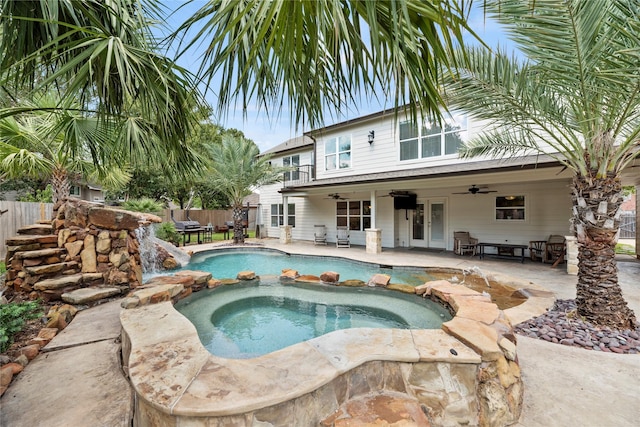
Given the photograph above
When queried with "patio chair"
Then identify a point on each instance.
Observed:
(464, 243)
(320, 235)
(548, 251)
(342, 238)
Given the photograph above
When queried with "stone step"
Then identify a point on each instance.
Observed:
(40, 253)
(36, 229)
(50, 268)
(59, 282)
(32, 239)
(379, 409)
(87, 295)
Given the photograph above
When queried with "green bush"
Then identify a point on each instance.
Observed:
(3, 268)
(167, 232)
(13, 317)
(145, 205)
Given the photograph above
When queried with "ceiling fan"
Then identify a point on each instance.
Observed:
(335, 196)
(477, 190)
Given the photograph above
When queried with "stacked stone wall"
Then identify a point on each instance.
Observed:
(85, 246)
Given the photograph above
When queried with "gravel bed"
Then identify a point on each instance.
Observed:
(562, 325)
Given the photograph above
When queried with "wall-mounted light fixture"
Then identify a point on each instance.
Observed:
(510, 197)
(372, 135)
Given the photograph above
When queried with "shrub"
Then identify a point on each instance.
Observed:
(13, 317)
(145, 205)
(167, 232)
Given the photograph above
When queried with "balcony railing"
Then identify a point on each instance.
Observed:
(300, 175)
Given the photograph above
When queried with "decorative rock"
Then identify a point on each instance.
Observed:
(157, 293)
(214, 283)
(130, 302)
(103, 245)
(46, 269)
(330, 277)
(200, 277)
(88, 255)
(6, 375)
(246, 275)
(426, 288)
(42, 253)
(30, 351)
(15, 368)
(308, 278)
(352, 283)
(170, 263)
(87, 295)
(379, 280)
(289, 274)
(117, 219)
(47, 333)
(63, 236)
(186, 281)
(22, 359)
(400, 287)
(229, 281)
(508, 348)
(118, 257)
(4, 359)
(57, 321)
(59, 282)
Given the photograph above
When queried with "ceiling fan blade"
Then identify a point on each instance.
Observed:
(486, 192)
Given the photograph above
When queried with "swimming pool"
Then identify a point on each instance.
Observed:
(251, 319)
(268, 262)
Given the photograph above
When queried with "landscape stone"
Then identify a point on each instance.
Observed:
(6, 374)
(200, 277)
(289, 274)
(214, 283)
(57, 321)
(118, 219)
(88, 255)
(401, 287)
(41, 253)
(381, 280)
(30, 351)
(330, 277)
(58, 282)
(22, 359)
(87, 295)
(170, 263)
(74, 248)
(352, 283)
(246, 275)
(39, 229)
(46, 269)
(103, 245)
(308, 278)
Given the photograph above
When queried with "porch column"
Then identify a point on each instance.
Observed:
(285, 229)
(571, 254)
(373, 236)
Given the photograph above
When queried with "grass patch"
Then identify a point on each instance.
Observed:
(621, 248)
(3, 268)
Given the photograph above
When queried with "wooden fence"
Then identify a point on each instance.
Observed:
(19, 214)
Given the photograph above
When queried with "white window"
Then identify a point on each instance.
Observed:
(510, 208)
(430, 140)
(277, 215)
(293, 162)
(354, 214)
(337, 153)
(74, 190)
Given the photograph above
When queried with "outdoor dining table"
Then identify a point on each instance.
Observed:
(502, 249)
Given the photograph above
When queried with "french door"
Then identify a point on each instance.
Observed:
(429, 224)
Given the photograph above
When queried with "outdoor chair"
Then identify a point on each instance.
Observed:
(464, 243)
(342, 238)
(548, 251)
(320, 235)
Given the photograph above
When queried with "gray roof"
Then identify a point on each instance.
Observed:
(290, 144)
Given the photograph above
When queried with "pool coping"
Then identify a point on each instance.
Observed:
(171, 371)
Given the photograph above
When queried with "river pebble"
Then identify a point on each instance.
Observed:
(555, 326)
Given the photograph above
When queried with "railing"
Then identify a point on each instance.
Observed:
(300, 175)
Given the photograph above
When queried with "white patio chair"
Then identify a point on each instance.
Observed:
(320, 235)
(342, 238)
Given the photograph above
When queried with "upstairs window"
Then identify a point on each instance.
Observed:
(431, 140)
(337, 153)
(291, 162)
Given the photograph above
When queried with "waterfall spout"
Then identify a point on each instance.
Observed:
(179, 255)
(148, 252)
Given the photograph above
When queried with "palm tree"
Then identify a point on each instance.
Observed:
(102, 58)
(52, 145)
(236, 171)
(323, 55)
(576, 98)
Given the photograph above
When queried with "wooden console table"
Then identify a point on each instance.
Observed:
(503, 250)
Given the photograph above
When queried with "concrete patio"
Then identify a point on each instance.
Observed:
(77, 379)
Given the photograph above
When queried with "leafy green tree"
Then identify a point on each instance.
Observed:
(577, 98)
(236, 171)
(322, 55)
(54, 145)
(105, 62)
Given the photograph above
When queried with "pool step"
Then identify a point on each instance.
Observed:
(379, 409)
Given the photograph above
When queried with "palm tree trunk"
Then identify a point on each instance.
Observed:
(238, 232)
(60, 184)
(596, 202)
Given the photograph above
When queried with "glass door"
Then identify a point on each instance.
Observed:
(437, 224)
(417, 227)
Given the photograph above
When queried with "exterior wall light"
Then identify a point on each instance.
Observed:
(372, 135)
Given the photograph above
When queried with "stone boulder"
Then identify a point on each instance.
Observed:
(289, 274)
(246, 275)
(330, 277)
(381, 280)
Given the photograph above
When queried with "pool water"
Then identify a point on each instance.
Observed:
(264, 262)
(251, 319)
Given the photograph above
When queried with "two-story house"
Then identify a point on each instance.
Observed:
(405, 185)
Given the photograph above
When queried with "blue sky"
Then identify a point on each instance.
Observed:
(267, 133)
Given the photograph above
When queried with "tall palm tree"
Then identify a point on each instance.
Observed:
(53, 145)
(102, 57)
(315, 56)
(236, 171)
(576, 98)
